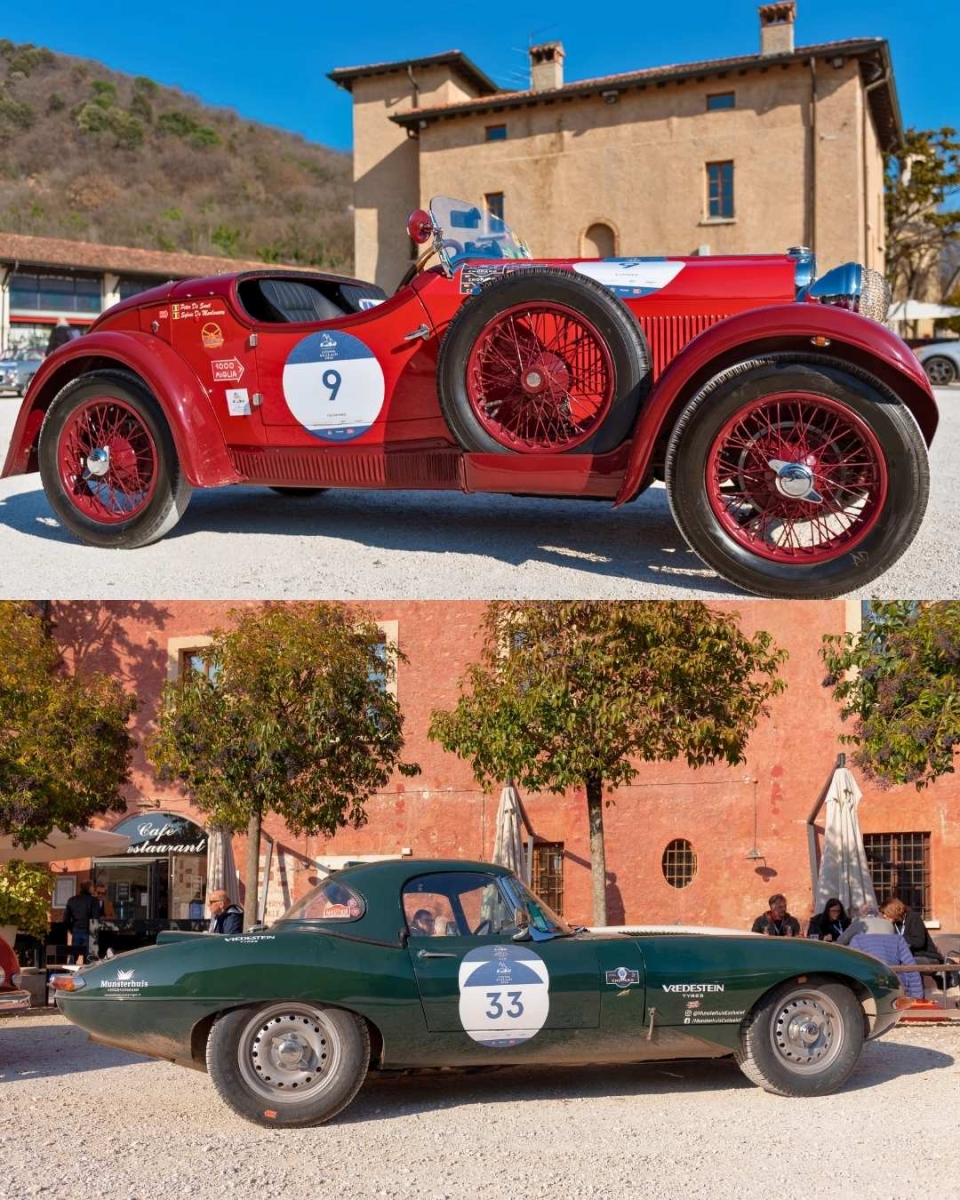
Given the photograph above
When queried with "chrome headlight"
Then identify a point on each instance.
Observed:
(859, 289)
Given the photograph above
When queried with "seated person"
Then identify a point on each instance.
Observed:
(889, 948)
(831, 924)
(776, 921)
(421, 924)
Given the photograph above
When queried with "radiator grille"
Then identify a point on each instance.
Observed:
(668, 335)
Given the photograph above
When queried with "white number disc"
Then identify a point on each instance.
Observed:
(504, 995)
(333, 385)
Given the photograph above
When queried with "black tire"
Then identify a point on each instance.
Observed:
(613, 321)
(891, 423)
(941, 371)
(243, 1061)
(776, 1052)
(300, 492)
(172, 490)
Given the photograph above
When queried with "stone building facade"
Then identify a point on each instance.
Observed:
(738, 155)
(721, 814)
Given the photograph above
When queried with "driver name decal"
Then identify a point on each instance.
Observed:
(333, 385)
(504, 995)
(631, 276)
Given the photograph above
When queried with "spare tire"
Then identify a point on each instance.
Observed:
(542, 361)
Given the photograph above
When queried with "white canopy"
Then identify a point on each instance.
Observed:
(60, 846)
(844, 871)
(920, 310)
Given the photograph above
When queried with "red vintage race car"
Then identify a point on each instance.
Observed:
(791, 427)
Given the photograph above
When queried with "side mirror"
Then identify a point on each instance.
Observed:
(420, 226)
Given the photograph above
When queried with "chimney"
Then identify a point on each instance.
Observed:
(776, 27)
(546, 66)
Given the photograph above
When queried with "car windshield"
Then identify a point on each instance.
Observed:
(471, 232)
(541, 916)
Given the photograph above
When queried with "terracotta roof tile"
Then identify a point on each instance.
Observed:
(57, 252)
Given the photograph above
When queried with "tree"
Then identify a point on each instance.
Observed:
(577, 693)
(26, 891)
(289, 714)
(922, 232)
(899, 679)
(64, 745)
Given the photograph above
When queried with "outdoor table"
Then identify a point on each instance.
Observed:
(934, 969)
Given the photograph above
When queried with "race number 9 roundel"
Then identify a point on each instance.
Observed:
(504, 995)
(333, 385)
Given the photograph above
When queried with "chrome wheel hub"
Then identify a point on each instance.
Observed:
(806, 1032)
(289, 1049)
(533, 381)
(98, 461)
(794, 480)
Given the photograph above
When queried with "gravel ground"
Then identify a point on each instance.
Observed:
(83, 1120)
(236, 543)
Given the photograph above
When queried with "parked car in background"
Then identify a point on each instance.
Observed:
(941, 361)
(17, 368)
(12, 997)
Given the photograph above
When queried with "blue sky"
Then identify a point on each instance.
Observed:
(275, 71)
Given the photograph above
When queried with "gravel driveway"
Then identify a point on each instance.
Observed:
(237, 543)
(81, 1120)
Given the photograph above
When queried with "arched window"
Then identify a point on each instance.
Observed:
(679, 863)
(599, 241)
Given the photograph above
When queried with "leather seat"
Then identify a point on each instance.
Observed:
(296, 303)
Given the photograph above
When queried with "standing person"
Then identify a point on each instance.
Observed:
(60, 334)
(224, 916)
(776, 921)
(831, 924)
(105, 909)
(80, 910)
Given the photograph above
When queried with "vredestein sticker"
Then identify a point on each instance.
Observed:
(504, 995)
(333, 385)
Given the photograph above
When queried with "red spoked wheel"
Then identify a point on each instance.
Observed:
(796, 478)
(107, 460)
(540, 378)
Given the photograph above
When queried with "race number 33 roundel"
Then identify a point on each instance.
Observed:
(333, 385)
(504, 995)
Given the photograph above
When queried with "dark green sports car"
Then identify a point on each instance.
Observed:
(404, 964)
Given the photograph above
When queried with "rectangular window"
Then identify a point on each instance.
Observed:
(192, 662)
(548, 874)
(496, 133)
(493, 202)
(721, 100)
(900, 866)
(55, 293)
(378, 674)
(720, 189)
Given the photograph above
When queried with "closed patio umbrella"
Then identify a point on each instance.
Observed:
(221, 868)
(508, 848)
(844, 870)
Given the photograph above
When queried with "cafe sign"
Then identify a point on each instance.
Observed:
(163, 833)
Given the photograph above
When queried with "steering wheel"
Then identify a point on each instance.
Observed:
(485, 926)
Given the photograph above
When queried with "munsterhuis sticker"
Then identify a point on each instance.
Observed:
(504, 995)
(631, 276)
(623, 977)
(333, 385)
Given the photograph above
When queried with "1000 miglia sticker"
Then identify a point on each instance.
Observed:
(333, 385)
(631, 276)
(504, 995)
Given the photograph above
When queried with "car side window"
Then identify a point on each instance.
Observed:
(456, 904)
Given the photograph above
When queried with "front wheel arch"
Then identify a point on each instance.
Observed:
(200, 1033)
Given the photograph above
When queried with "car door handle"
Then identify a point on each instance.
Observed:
(434, 954)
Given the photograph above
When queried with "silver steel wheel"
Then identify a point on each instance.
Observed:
(807, 1032)
(289, 1052)
(940, 371)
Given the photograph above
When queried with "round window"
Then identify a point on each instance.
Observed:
(679, 863)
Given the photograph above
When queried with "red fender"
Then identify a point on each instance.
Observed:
(853, 339)
(185, 403)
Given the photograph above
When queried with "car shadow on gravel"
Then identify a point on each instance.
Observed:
(388, 1096)
(34, 1051)
(639, 542)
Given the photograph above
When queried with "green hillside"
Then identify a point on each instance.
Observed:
(90, 154)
